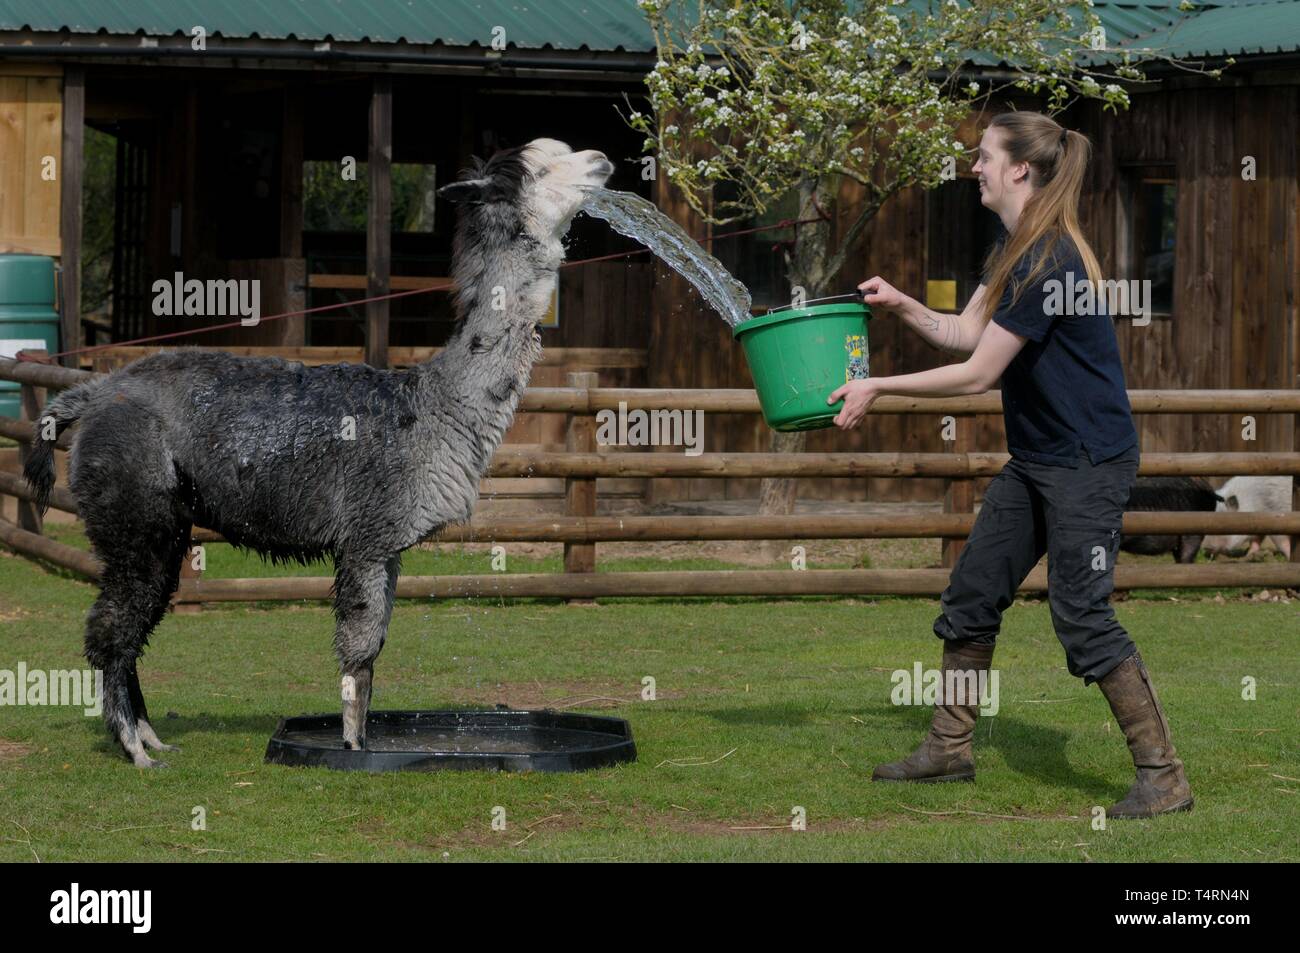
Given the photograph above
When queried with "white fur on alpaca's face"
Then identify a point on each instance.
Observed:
(515, 208)
(556, 187)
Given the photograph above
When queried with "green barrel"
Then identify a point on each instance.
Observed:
(28, 318)
(798, 356)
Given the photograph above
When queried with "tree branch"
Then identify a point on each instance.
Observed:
(878, 197)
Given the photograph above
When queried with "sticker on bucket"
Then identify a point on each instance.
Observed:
(856, 368)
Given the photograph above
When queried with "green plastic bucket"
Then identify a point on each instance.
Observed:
(798, 356)
(28, 319)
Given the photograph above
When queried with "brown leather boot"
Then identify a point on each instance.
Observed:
(945, 754)
(1161, 787)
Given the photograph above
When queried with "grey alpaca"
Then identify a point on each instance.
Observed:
(299, 463)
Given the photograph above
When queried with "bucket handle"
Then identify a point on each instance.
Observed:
(854, 294)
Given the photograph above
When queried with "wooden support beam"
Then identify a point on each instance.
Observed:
(188, 572)
(74, 132)
(33, 398)
(189, 184)
(613, 529)
(362, 282)
(959, 492)
(740, 401)
(527, 463)
(379, 233)
(519, 462)
(609, 529)
(14, 485)
(42, 547)
(844, 582)
(1295, 442)
(580, 492)
(291, 159)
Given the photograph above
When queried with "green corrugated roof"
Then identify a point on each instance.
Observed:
(1242, 28)
(529, 24)
(1126, 21)
(1217, 27)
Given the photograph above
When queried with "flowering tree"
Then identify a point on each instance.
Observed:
(773, 97)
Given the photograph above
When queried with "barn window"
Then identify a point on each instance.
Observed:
(333, 203)
(1147, 228)
(959, 233)
(335, 212)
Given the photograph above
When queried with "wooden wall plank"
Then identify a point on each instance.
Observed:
(13, 152)
(379, 220)
(70, 178)
(44, 140)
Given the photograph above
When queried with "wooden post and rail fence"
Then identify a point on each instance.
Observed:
(580, 529)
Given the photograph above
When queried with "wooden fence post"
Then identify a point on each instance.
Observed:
(1295, 480)
(33, 399)
(188, 572)
(580, 492)
(959, 492)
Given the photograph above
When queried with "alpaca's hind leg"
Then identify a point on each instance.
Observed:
(128, 494)
(115, 636)
(136, 587)
(363, 604)
(145, 730)
(171, 579)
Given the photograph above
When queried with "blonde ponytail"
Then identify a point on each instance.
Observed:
(1058, 158)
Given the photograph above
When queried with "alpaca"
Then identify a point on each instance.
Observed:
(299, 463)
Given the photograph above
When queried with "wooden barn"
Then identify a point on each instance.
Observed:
(221, 150)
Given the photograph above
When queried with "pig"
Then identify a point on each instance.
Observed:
(1173, 494)
(1253, 494)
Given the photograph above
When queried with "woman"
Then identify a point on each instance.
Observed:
(1074, 456)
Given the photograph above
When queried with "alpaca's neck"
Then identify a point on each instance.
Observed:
(480, 376)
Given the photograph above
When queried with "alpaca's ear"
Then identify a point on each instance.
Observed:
(471, 190)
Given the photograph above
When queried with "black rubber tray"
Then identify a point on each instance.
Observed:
(458, 740)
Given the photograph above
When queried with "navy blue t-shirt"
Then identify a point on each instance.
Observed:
(1065, 390)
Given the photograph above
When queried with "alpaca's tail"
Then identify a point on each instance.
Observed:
(58, 415)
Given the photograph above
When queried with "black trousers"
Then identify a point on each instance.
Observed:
(1072, 515)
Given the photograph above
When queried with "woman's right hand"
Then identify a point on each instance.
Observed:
(880, 294)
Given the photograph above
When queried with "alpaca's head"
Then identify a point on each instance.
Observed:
(537, 188)
(513, 212)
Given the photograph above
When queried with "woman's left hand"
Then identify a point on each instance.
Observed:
(858, 396)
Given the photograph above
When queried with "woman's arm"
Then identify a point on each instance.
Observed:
(996, 349)
(954, 333)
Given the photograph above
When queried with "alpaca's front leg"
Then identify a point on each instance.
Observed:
(363, 604)
(356, 704)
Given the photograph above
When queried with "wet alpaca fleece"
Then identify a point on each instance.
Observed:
(299, 463)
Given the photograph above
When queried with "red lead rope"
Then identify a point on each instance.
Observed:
(49, 359)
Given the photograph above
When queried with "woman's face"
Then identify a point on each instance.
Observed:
(999, 177)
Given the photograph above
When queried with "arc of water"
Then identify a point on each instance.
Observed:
(634, 217)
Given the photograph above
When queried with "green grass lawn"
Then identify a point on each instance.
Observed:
(763, 707)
